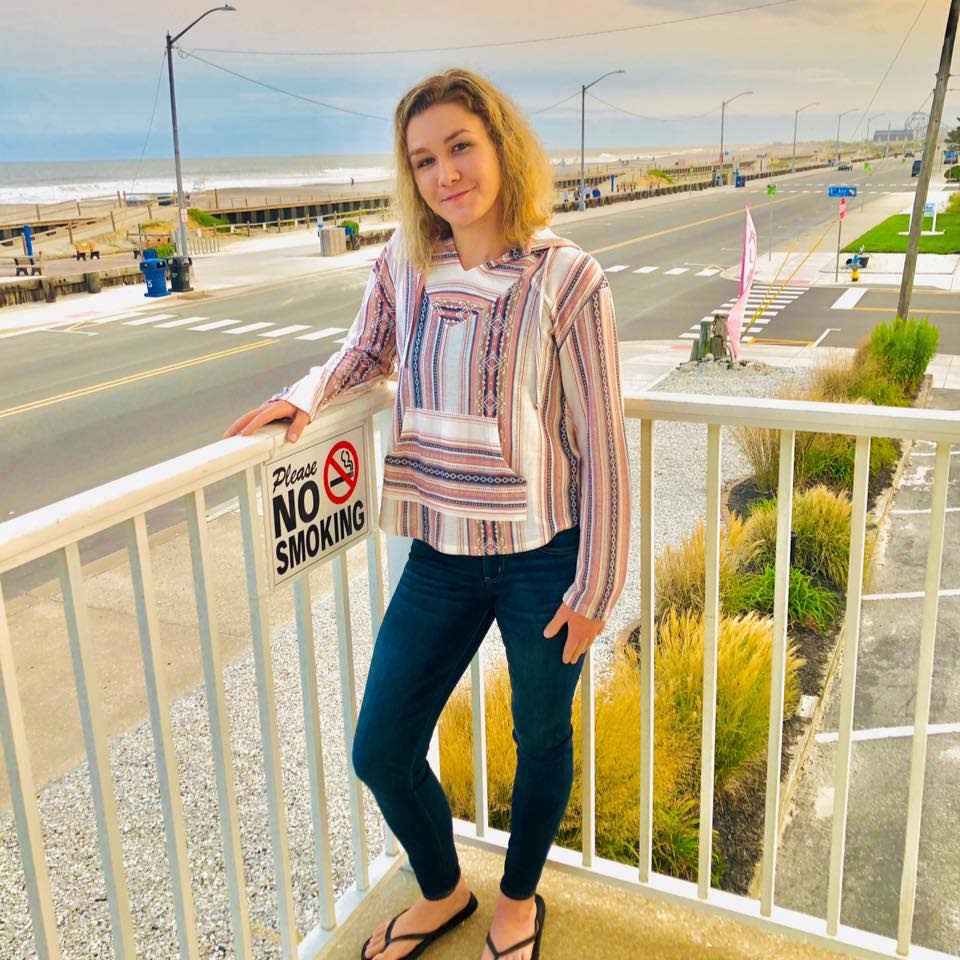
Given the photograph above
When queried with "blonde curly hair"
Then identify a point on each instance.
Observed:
(525, 172)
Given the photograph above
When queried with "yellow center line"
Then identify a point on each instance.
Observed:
(130, 378)
(685, 226)
(913, 310)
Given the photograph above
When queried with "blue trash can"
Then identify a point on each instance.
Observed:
(741, 180)
(154, 270)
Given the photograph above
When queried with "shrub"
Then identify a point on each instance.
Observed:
(821, 523)
(848, 379)
(904, 348)
(808, 605)
(761, 447)
(205, 219)
(743, 690)
(829, 458)
(166, 250)
(680, 571)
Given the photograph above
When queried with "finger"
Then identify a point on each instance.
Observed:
(240, 423)
(300, 420)
(274, 411)
(570, 649)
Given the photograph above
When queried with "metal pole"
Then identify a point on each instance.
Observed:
(793, 162)
(770, 249)
(723, 109)
(836, 273)
(583, 110)
(926, 163)
(838, 139)
(176, 152)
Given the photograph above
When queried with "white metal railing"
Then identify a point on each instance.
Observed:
(58, 528)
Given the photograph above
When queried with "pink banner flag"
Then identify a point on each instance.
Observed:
(747, 269)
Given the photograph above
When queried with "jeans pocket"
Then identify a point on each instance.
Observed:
(564, 543)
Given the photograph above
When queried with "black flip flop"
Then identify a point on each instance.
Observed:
(535, 939)
(427, 938)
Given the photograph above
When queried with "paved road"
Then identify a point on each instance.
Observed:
(83, 405)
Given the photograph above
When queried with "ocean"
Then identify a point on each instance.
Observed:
(55, 181)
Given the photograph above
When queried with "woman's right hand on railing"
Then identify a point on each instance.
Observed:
(267, 412)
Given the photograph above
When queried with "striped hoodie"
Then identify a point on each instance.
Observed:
(508, 425)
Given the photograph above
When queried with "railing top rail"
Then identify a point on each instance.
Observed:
(853, 419)
(48, 528)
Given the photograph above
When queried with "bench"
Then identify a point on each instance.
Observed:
(24, 265)
(84, 248)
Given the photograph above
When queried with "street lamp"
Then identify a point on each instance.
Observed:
(176, 136)
(723, 109)
(839, 118)
(796, 114)
(583, 110)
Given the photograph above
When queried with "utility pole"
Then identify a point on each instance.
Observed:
(723, 110)
(926, 164)
(584, 87)
(796, 114)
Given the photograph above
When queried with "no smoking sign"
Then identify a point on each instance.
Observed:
(315, 502)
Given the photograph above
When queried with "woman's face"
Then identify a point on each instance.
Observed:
(454, 163)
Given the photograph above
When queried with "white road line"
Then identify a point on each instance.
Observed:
(910, 595)
(145, 320)
(884, 733)
(617, 268)
(953, 453)
(341, 340)
(675, 271)
(249, 327)
(646, 270)
(120, 316)
(283, 331)
(689, 336)
(183, 321)
(215, 325)
(849, 298)
(762, 320)
(708, 272)
(925, 510)
(320, 334)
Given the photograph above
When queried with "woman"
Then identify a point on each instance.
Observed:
(507, 467)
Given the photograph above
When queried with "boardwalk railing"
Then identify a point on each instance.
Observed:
(57, 530)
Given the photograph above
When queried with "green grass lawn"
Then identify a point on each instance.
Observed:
(885, 237)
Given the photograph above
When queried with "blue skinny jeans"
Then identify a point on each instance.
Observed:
(436, 620)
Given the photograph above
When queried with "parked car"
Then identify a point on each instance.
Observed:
(915, 169)
(909, 153)
(844, 165)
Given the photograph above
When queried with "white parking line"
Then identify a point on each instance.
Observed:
(849, 298)
(215, 325)
(249, 327)
(283, 331)
(144, 320)
(646, 270)
(925, 510)
(181, 322)
(325, 332)
(884, 733)
(910, 595)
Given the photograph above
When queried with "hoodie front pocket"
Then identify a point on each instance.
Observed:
(454, 463)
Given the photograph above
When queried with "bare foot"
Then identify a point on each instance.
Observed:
(513, 921)
(422, 917)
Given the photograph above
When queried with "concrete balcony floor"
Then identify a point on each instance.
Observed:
(586, 920)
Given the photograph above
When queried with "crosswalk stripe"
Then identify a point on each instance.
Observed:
(708, 272)
(689, 336)
(152, 319)
(215, 325)
(617, 268)
(250, 326)
(181, 322)
(848, 299)
(320, 334)
(283, 331)
(645, 270)
(676, 271)
(341, 340)
(119, 316)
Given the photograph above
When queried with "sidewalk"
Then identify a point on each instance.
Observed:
(812, 259)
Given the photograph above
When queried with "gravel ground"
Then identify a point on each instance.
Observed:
(65, 805)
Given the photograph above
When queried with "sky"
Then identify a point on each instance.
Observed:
(79, 81)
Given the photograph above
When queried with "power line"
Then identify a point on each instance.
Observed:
(499, 43)
(557, 104)
(153, 113)
(641, 116)
(889, 68)
(270, 86)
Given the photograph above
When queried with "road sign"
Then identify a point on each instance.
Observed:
(834, 191)
(843, 207)
(929, 209)
(316, 502)
(771, 189)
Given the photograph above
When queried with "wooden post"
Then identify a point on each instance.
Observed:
(150, 210)
(70, 232)
(216, 198)
(113, 222)
(37, 208)
(79, 214)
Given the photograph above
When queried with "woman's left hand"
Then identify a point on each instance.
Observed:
(581, 632)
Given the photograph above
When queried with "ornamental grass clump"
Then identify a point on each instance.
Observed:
(821, 523)
(680, 571)
(808, 605)
(904, 349)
